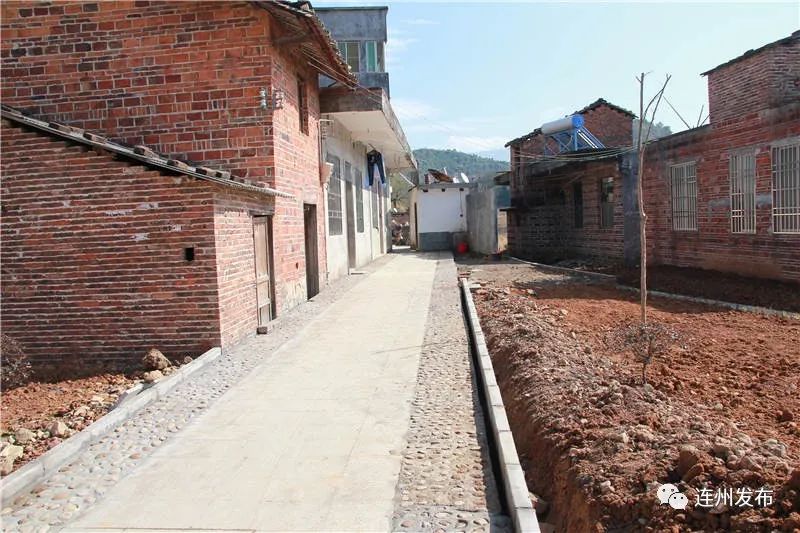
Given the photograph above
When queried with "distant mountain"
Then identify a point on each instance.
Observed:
(472, 165)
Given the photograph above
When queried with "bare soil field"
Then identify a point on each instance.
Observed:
(37, 406)
(720, 411)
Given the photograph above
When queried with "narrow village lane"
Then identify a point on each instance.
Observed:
(313, 438)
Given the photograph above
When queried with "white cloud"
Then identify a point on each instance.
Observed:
(421, 22)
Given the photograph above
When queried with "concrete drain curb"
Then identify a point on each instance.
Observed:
(518, 502)
(133, 400)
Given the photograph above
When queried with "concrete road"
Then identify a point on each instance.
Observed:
(311, 440)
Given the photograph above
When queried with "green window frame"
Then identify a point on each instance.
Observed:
(374, 56)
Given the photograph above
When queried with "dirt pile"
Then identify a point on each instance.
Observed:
(597, 444)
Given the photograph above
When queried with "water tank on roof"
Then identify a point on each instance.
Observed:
(562, 124)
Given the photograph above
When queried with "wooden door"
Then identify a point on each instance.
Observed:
(312, 263)
(261, 235)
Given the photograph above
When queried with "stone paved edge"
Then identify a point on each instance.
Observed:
(719, 303)
(41, 468)
(518, 502)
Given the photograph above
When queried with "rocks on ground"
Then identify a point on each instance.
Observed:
(155, 360)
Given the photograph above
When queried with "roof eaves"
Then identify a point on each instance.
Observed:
(304, 11)
(141, 154)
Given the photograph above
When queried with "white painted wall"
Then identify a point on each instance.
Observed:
(368, 243)
(441, 210)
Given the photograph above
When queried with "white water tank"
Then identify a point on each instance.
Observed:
(562, 124)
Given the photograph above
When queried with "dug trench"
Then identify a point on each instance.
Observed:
(719, 411)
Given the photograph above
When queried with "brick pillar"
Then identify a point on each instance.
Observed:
(629, 170)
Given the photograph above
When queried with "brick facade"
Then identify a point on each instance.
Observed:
(754, 106)
(183, 78)
(543, 223)
(94, 268)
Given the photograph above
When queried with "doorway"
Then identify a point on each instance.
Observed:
(312, 260)
(265, 295)
(351, 225)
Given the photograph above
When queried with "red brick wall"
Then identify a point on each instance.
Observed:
(768, 79)
(548, 232)
(233, 228)
(609, 125)
(713, 246)
(182, 78)
(93, 256)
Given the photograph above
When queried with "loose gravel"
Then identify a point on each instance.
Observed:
(79, 485)
(446, 481)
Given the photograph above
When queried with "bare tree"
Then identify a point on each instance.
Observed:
(641, 144)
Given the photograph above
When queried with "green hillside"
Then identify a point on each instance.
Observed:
(472, 165)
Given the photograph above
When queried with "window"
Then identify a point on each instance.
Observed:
(786, 188)
(577, 203)
(334, 197)
(359, 184)
(606, 202)
(743, 193)
(683, 182)
(375, 191)
(350, 53)
(302, 105)
(375, 56)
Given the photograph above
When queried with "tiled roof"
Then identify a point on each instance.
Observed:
(594, 105)
(602, 101)
(791, 39)
(142, 154)
(321, 50)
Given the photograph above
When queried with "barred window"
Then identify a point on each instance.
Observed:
(607, 202)
(359, 184)
(743, 193)
(683, 180)
(786, 188)
(334, 197)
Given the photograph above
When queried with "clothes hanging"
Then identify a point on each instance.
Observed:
(375, 159)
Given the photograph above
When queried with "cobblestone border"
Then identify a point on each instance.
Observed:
(696, 299)
(518, 501)
(47, 464)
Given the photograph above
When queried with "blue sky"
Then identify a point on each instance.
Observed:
(472, 76)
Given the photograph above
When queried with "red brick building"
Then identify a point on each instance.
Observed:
(226, 85)
(557, 210)
(724, 196)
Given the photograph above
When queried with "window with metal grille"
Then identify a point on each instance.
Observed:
(577, 203)
(606, 202)
(375, 196)
(334, 197)
(786, 188)
(743, 193)
(359, 185)
(350, 53)
(683, 182)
